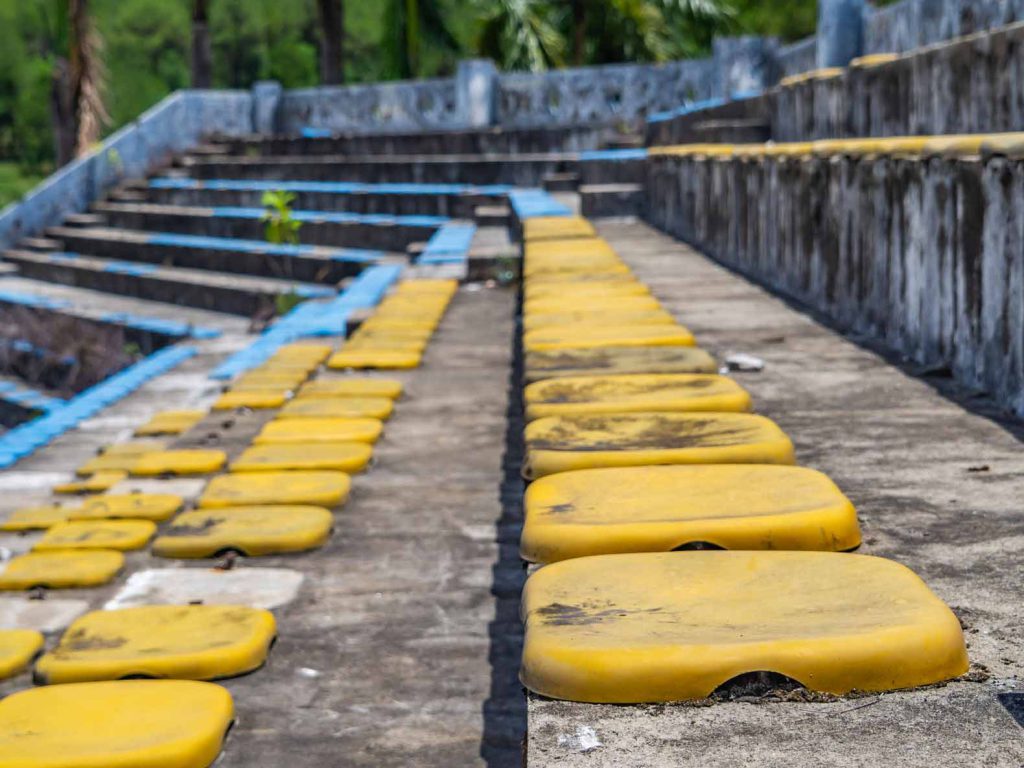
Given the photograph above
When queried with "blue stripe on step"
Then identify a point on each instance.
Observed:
(356, 255)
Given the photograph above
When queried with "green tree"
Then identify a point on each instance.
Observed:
(409, 27)
(520, 34)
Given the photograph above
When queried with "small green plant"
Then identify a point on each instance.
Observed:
(286, 302)
(279, 224)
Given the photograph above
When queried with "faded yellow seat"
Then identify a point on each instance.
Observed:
(354, 386)
(634, 392)
(170, 423)
(584, 336)
(547, 305)
(344, 457)
(320, 431)
(17, 649)
(97, 534)
(596, 317)
(368, 358)
(322, 488)
(188, 642)
(246, 398)
(62, 569)
(306, 353)
(617, 360)
(563, 443)
(657, 509)
(547, 227)
(568, 249)
(197, 461)
(594, 291)
(675, 626)
(253, 531)
(96, 483)
(337, 408)
(36, 518)
(120, 457)
(135, 506)
(124, 724)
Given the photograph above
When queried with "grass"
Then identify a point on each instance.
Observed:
(15, 182)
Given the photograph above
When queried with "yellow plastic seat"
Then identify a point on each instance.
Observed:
(383, 359)
(121, 535)
(65, 569)
(262, 389)
(323, 488)
(658, 509)
(170, 423)
(597, 317)
(546, 227)
(187, 642)
(355, 386)
(564, 443)
(616, 361)
(571, 249)
(635, 392)
(546, 305)
(592, 291)
(134, 506)
(267, 398)
(253, 531)
(96, 483)
(271, 379)
(675, 626)
(17, 649)
(135, 447)
(197, 461)
(307, 353)
(123, 724)
(337, 408)
(36, 518)
(583, 337)
(344, 457)
(320, 431)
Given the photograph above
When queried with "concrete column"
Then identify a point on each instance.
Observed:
(266, 97)
(476, 86)
(744, 64)
(840, 31)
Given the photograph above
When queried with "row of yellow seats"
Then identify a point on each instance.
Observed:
(277, 497)
(631, 465)
(952, 145)
(397, 333)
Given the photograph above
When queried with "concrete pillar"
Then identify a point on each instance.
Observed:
(266, 97)
(744, 64)
(840, 31)
(476, 86)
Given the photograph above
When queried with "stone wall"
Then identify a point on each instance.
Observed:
(925, 255)
(914, 23)
(175, 124)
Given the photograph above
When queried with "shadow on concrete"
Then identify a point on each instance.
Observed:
(504, 734)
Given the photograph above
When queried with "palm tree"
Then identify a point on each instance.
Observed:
(520, 35)
(202, 59)
(408, 25)
(332, 48)
(78, 82)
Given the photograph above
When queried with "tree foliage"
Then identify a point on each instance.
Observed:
(147, 45)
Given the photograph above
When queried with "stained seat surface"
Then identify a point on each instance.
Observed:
(584, 336)
(125, 724)
(120, 535)
(636, 392)
(320, 488)
(61, 569)
(617, 360)
(253, 531)
(675, 626)
(193, 642)
(337, 408)
(134, 506)
(658, 509)
(359, 430)
(563, 443)
(344, 457)
(352, 386)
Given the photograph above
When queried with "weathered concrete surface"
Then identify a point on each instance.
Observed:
(395, 612)
(921, 253)
(911, 460)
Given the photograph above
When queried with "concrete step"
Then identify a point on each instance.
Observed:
(84, 220)
(734, 131)
(491, 215)
(451, 200)
(561, 182)
(388, 233)
(604, 200)
(307, 263)
(522, 170)
(474, 141)
(235, 294)
(38, 244)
